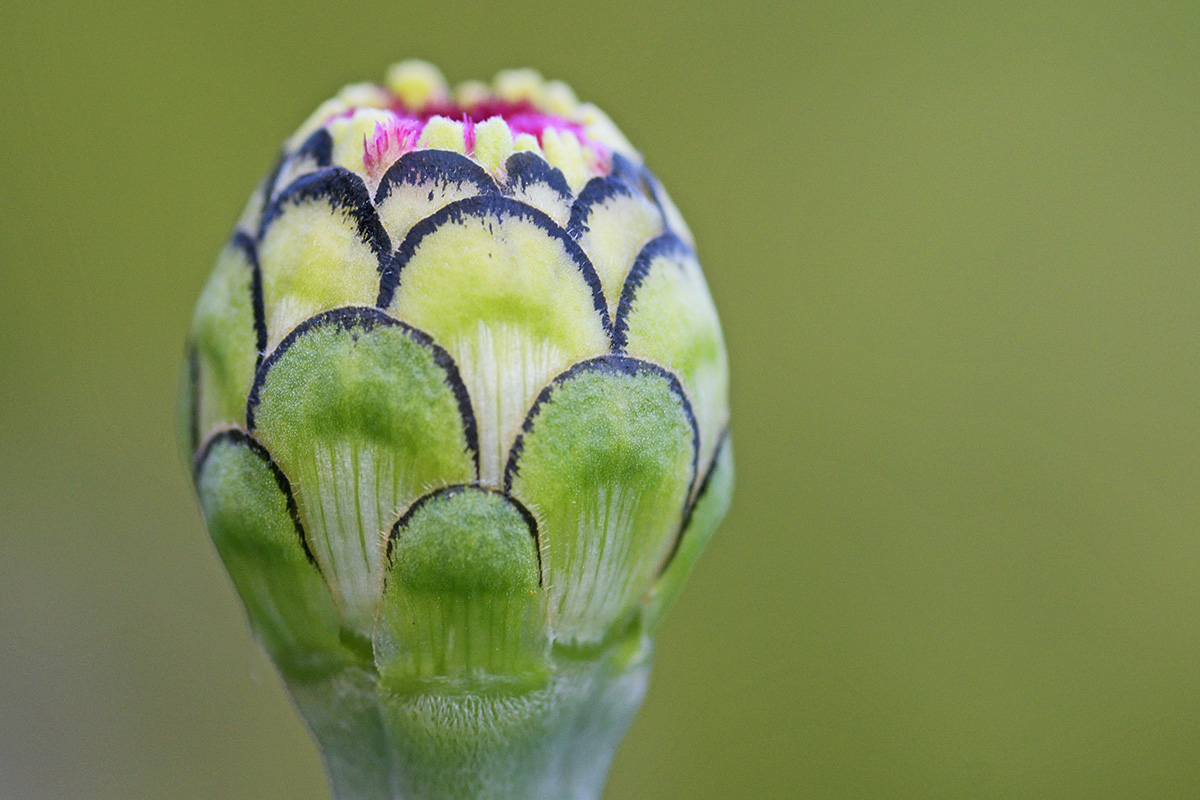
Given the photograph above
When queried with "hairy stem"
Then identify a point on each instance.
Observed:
(555, 742)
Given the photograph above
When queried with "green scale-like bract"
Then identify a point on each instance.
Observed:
(460, 434)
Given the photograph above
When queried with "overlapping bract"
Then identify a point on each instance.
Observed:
(459, 409)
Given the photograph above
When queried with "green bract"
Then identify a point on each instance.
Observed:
(457, 403)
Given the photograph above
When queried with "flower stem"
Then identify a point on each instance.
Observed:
(555, 742)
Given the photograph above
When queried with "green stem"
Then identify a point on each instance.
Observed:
(552, 743)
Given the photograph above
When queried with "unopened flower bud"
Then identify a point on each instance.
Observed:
(457, 395)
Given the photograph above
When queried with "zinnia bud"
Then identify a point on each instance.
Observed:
(457, 399)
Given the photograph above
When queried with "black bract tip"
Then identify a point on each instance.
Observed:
(526, 168)
(443, 167)
(245, 243)
(700, 493)
(241, 438)
(625, 170)
(318, 147)
(366, 318)
(668, 244)
(480, 207)
(344, 191)
(613, 365)
(459, 488)
(594, 193)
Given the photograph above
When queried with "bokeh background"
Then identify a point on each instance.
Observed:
(957, 253)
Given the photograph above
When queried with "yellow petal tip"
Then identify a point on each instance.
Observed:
(443, 134)
(493, 143)
(515, 85)
(563, 151)
(417, 84)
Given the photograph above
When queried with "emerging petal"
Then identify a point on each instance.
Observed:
(351, 97)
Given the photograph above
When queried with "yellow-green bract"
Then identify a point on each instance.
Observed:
(456, 399)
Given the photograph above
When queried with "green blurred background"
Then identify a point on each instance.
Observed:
(957, 254)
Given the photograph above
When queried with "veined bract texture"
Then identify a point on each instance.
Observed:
(456, 397)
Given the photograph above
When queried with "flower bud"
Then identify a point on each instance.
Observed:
(457, 394)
